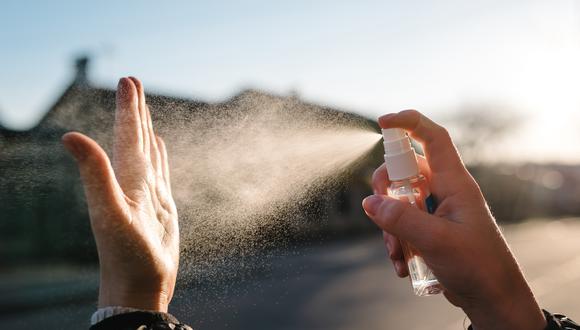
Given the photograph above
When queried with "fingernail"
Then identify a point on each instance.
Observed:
(122, 81)
(371, 204)
(134, 80)
(398, 266)
(386, 117)
(121, 88)
(125, 92)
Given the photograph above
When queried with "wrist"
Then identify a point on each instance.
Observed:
(510, 311)
(149, 301)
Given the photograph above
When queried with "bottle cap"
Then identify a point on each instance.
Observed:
(400, 157)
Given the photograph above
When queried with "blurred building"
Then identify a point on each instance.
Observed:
(42, 209)
(523, 191)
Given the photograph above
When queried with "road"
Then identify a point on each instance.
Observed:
(345, 284)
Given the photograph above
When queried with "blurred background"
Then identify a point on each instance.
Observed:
(502, 76)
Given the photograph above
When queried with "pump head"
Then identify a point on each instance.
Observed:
(400, 157)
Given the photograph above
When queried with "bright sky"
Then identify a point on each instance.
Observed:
(371, 57)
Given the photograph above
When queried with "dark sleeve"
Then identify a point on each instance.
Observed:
(556, 322)
(559, 321)
(138, 320)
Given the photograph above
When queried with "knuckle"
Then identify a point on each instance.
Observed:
(390, 213)
(442, 133)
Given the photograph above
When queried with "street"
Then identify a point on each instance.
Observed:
(344, 284)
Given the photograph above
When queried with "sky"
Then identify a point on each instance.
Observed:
(369, 57)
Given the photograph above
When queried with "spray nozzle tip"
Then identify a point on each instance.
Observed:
(393, 134)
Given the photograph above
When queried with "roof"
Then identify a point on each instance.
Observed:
(82, 106)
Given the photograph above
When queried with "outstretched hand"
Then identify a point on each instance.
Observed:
(133, 215)
(461, 242)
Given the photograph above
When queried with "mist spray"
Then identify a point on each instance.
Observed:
(407, 184)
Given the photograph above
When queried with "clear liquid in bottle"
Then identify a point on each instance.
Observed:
(415, 191)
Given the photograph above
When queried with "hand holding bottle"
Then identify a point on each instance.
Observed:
(460, 242)
(409, 185)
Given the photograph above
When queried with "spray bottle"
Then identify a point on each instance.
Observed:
(407, 184)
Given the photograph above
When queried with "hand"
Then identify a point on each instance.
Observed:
(133, 216)
(460, 242)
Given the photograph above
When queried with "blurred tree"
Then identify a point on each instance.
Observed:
(479, 128)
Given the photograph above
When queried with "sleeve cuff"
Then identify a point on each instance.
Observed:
(105, 312)
(555, 322)
(137, 320)
(559, 321)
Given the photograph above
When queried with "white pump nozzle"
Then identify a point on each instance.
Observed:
(400, 157)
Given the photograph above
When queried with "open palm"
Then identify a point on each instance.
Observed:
(133, 215)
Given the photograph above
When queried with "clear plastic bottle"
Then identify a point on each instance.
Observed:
(407, 184)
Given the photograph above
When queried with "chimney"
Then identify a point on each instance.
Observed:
(81, 66)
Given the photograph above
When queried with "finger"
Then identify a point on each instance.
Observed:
(405, 221)
(393, 246)
(101, 188)
(424, 166)
(164, 161)
(156, 158)
(395, 254)
(143, 116)
(128, 142)
(380, 180)
(400, 268)
(438, 147)
(128, 132)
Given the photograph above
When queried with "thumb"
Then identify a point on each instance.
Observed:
(421, 229)
(101, 188)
